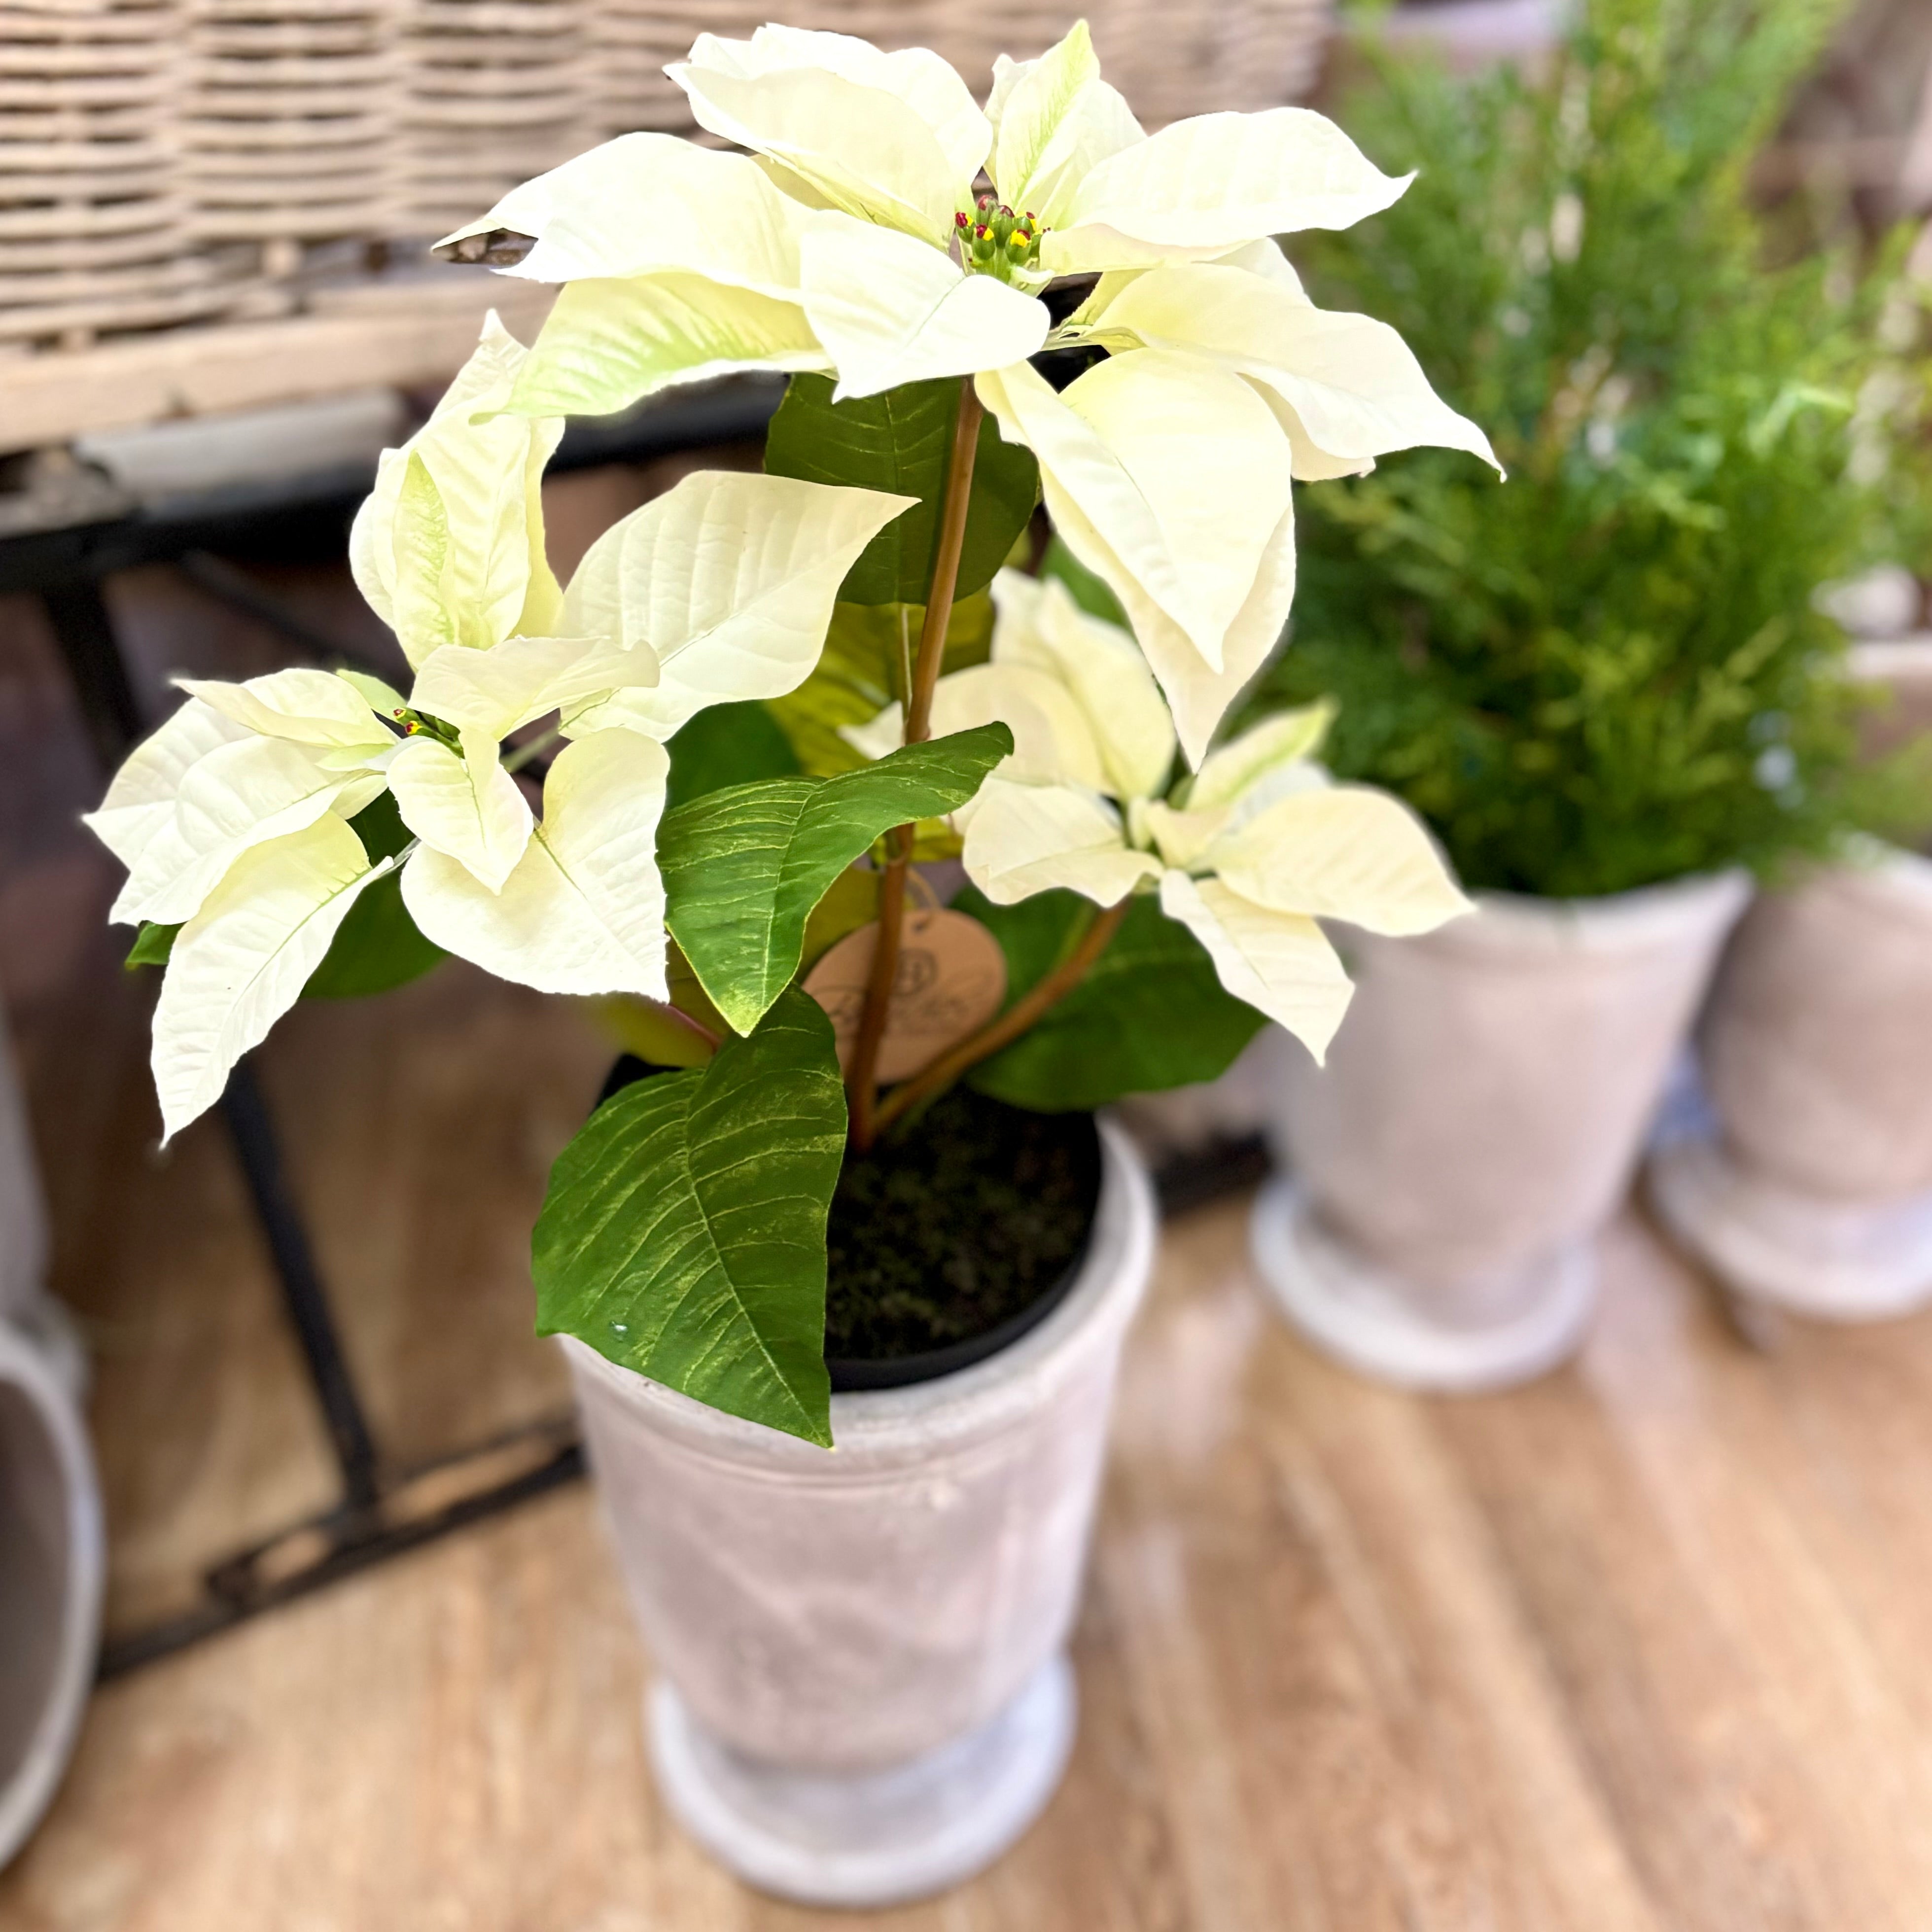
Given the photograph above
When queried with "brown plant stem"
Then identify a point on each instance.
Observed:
(937, 1075)
(862, 1081)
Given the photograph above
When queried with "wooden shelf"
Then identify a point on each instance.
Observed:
(399, 334)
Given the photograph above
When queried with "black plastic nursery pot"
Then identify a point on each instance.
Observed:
(947, 1243)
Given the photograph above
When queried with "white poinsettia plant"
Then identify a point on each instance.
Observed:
(761, 696)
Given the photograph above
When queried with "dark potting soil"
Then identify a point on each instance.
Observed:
(974, 1216)
(955, 1230)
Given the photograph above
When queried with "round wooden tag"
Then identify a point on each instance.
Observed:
(952, 977)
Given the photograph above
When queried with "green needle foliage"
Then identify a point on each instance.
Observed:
(1607, 671)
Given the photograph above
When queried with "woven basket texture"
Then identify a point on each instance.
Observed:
(172, 161)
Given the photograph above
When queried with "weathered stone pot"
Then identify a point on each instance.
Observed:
(863, 1695)
(1815, 1193)
(1481, 1114)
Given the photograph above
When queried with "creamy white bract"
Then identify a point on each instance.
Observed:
(232, 818)
(1258, 846)
(849, 240)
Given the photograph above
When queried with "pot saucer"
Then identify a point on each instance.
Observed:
(873, 1838)
(1371, 1321)
(1835, 1261)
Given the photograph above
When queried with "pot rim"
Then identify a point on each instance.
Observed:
(1900, 874)
(24, 1368)
(1517, 923)
(887, 1426)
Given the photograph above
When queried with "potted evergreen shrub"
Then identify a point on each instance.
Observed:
(775, 697)
(1815, 1192)
(1605, 688)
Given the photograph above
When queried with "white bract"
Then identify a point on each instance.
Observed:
(853, 239)
(232, 818)
(1259, 845)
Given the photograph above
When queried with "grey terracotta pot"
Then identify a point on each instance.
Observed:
(1815, 1192)
(23, 1226)
(51, 1571)
(1483, 1108)
(51, 1558)
(863, 1696)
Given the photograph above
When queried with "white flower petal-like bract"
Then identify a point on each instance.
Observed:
(241, 795)
(891, 310)
(607, 344)
(1281, 963)
(1054, 120)
(1038, 624)
(1285, 739)
(711, 214)
(1022, 839)
(1342, 852)
(307, 707)
(140, 801)
(891, 138)
(467, 808)
(1200, 188)
(492, 692)
(1167, 476)
(449, 547)
(241, 961)
(1054, 740)
(730, 578)
(1355, 389)
(583, 910)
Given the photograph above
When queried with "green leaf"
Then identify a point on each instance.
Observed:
(683, 1235)
(653, 1032)
(898, 442)
(377, 947)
(379, 826)
(851, 901)
(1149, 1014)
(860, 671)
(1087, 588)
(743, 868)
(727, 745)
(152, 945)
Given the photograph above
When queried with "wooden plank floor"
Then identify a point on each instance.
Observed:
(1647, 1647)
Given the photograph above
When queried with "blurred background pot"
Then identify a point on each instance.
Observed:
(863, 1696)
(51, 1569)
(1816, 1192)
(1480, 1113)
(51, 1560)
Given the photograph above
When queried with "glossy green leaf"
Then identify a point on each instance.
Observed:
(378, 947)
(898, 441)
(152, 945)
(683, 1235)
(1150, 1013)
(727, 745)
(743, 868)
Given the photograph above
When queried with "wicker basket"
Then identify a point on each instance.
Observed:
(1171, 58)
(170, 161)
(492, 92)
(290, 110)
(95, 224)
